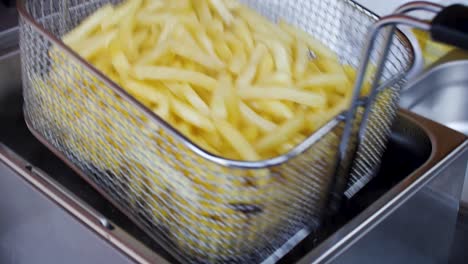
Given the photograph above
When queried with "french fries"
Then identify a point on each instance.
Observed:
(286, 130)
(311, 99)
(162, 73)
(211, 60)
(229, 80)
(89, 25)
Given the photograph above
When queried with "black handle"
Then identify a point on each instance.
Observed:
(8, 3)
(450, 26)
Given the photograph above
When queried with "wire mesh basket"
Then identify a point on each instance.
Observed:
(200, 207)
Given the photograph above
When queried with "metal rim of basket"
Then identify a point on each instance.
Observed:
(299, 149)
(304, 146)
(348, 116)
(399, 17)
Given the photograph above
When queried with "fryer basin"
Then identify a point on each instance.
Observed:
(441, 94)
(417, 154)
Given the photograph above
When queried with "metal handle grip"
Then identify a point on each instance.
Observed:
(450, 26)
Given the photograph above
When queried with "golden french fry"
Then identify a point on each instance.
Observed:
(255, 119)
(144, 90)
(281, 135)
(163, 107)
(192, 53)
(215, 28)
(222, 50)
(316, 46)
(154, 5)
(251, 133)
(140, 37)
(150, 19)
(329, 66)
(282, 93)
(156, 54)
(218, 106)
(232, 100)
(104, 65)
(276, 109)
(186, 46)
(243, 33)
(232, 4)
(280, 79)
(125, 34)
(121, 64)
(123, 11)
(157, 98)
(177, 5)
(88, 25)
(351, 72)
(302, 58)
(92, 46)
(190, 115)
(220, 7)
(334, 99)
(213, 138)
(263, 26)
(239, 59)
(236, 140)
(163, 44)
(207, 44)
(325, 81)
(266, 67)
(312, 68)
(281, 57)
(247, 76)
(189, 95)
(232, 40)
(203, 12)
(161, 73)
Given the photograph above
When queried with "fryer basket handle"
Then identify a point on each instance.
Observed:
(450, 26)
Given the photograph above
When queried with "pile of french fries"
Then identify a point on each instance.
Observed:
(231, 81)
(227, 78)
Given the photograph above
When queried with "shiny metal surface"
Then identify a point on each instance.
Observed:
(32, 199)
(28, 216)
(401, 17)
(163, 180)
(365, 158)
(441, 94)
(51, 164)
(420, 231)
(410, 148)
(414, 222)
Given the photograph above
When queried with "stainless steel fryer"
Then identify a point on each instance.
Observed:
(413, 200)
(416, 191)
(424, 213)
(144, 166)
(372, 140)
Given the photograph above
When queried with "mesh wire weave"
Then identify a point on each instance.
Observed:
(199, 210)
